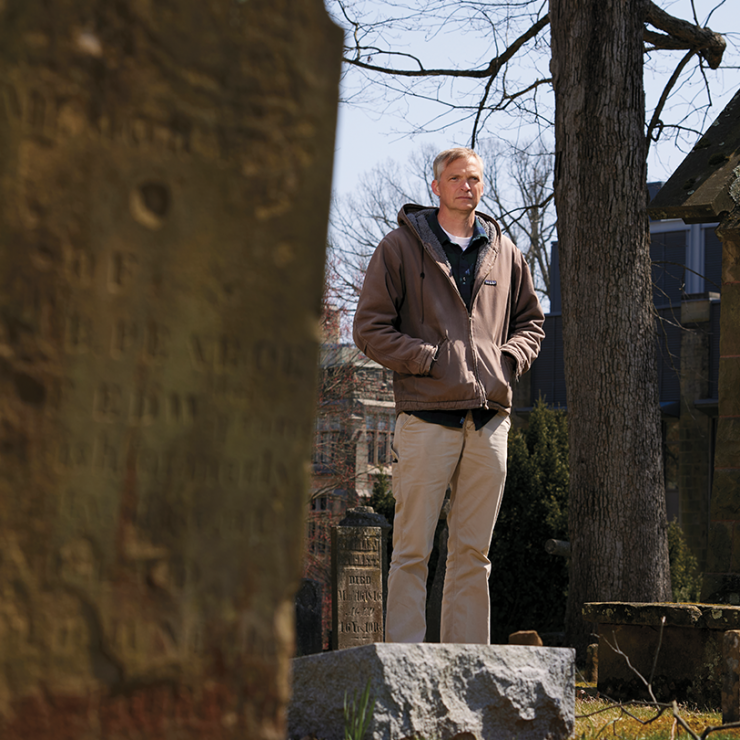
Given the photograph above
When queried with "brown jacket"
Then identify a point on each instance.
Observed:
(410, 309)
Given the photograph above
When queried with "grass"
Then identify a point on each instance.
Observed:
(597, 718)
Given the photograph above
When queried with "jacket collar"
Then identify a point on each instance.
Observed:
(415, 217)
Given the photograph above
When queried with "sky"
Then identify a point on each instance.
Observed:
(372, 130)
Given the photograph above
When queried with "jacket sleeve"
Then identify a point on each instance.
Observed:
(525, 333)
(376, 324)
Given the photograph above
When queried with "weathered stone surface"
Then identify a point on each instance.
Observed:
(164, 188)
(622, 612)
(492, 692)
(707, 616)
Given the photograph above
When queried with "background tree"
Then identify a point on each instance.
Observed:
(617, 511)
(618, 524)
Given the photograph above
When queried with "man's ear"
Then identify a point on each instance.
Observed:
(435, 188)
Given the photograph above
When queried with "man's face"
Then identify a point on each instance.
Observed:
(460, 186)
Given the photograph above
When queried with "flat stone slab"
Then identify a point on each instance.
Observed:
(707, 616)
(438, 691)
(691, 651)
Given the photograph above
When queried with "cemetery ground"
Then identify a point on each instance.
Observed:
(598, 717)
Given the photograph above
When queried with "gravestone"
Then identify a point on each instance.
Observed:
(308, 602)
(357, 549)
(164, 190)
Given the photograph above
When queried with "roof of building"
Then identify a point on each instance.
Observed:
(334, 355)
(707, 183)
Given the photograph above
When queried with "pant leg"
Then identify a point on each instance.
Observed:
(427, 457)
(477, 490)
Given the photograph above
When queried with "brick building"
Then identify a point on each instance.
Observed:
(354, 431)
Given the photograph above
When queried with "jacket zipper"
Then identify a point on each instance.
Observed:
(469, 315)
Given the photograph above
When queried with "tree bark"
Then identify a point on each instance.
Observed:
(617, 516)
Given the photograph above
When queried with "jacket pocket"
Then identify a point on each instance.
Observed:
(496, 374)
(450, 379)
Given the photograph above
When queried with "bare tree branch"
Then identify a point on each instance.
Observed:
(493, 68)
(655, 120)
(684, 35)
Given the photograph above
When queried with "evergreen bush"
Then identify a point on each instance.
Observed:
(528, 586)
(685, 575)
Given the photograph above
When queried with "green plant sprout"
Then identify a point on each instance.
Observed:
(357, 714)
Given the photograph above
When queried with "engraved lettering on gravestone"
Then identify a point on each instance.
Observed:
(11, 105)
(124, 337)
(85, 510)
(105, 455)
(122, 269)
(181, 408)
(143, 408)
(108, 403)
(73, 455)
(78, 334)
(79, 266)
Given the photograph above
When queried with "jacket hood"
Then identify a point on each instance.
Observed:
(405, 218)
(414, 217)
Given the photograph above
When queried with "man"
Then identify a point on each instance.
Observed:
(448, 304)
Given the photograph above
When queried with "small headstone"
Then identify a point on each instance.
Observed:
(308, 602)
(357, 549)
(493, 692)
(592, 663)
(525, 637)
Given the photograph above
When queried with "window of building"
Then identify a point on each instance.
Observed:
(668, 255)
(326, 441)
(320, 503)
(379, 437)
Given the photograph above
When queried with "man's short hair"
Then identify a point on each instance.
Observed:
(450, 155)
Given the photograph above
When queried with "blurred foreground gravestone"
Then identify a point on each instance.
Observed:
(164, 192)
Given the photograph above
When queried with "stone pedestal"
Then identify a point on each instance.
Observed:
(445, 692)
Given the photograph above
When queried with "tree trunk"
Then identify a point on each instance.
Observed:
(617, 516)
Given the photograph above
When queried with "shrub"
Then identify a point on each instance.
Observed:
(685, 575)
(528, 586)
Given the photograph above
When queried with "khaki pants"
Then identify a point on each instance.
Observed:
(472, 463)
